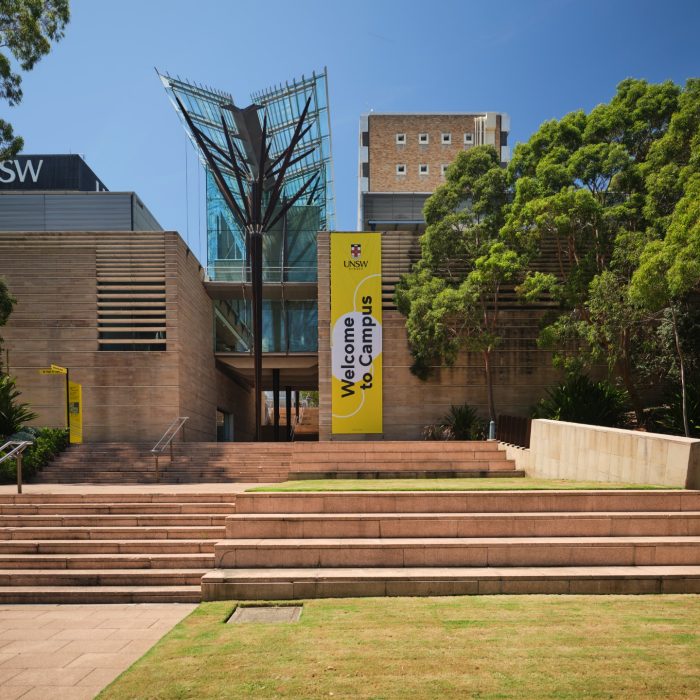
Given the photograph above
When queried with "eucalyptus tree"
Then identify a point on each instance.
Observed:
(580, 182)
(27, 28)
(451, 298)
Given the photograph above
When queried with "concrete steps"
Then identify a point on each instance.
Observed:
(318, 525)
(286, 545)
(115, 463)
(100, 594)
(295, 584)
(426, 473)
(458, 551)
(108, 547)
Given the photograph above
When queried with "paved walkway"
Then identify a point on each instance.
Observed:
(71, 652)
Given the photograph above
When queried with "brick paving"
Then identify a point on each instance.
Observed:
(71, 652)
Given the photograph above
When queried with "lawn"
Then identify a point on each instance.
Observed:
(468, 647)
(485, 484)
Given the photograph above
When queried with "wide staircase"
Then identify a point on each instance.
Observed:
(108, 547)
(191, 462)
(308, 545)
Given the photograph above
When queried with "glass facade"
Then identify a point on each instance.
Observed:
(288, 325)
(289, 248)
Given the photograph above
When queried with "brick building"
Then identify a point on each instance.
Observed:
(403, 158)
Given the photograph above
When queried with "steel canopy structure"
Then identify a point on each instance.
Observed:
(269, 187)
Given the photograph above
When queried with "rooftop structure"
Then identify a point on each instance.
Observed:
(47, 192)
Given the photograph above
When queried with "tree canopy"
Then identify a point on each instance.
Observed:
(27, 29)
(451, 298)
(615, 194)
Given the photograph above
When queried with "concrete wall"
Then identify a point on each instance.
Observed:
(561, 450)
(197, 376)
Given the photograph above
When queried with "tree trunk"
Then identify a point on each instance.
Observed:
(681, 364)
(626, 375)
(489, 384)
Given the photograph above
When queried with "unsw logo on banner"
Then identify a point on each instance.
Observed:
(356, 250)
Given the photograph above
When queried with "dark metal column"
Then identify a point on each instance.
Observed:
(288, 392)
(276, 401)
(257, 282)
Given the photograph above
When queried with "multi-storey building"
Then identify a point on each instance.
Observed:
(403, 158)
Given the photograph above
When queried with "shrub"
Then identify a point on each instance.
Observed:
(669, 419)
(13, 415)
(461, 423)
(437, 431)
(581, 400)
(48, 442)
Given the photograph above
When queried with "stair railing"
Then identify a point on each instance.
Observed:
(167, 439)
(18, 446)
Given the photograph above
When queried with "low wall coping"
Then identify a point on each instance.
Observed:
(623, 431)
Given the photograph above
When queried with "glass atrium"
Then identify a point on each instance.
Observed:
(289, 248)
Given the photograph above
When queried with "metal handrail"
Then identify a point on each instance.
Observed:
(19, 447)
(172, 430)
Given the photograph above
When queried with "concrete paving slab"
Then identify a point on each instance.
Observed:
(71, 652)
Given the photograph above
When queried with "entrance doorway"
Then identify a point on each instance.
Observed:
(224, 426)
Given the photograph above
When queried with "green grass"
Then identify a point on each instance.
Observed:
(468, 647)
(486, 484)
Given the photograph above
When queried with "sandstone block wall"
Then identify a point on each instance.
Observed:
(127, 395)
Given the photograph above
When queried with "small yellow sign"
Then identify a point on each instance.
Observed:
(59, 370)
(75, 412)
(48, 370)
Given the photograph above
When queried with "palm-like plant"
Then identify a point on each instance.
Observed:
(581, 400)
(13, 414)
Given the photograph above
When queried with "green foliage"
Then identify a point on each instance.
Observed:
(27, 28)
(310, 397)
(451, 298)
(13, 414)
(48, 442)
(465, 423)
(461, 423)
(669, 418)
(581, 400)
(613, 191)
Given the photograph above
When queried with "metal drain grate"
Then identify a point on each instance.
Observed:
(266, 614)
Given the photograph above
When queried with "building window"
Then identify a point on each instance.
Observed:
(447, 138)
(401, 139)
(423, 169)
(469, 139)
(443, 169)
(423, 138)
(401, 168)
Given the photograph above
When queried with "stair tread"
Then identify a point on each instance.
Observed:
(355, 573)
(448, 515)
(104, 556)
(105, 589)
(334, 542)
(108, 572)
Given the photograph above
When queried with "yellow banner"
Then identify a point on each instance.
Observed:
(75, 412)
(356, 332)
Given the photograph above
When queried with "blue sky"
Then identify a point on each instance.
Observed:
(97, 93)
